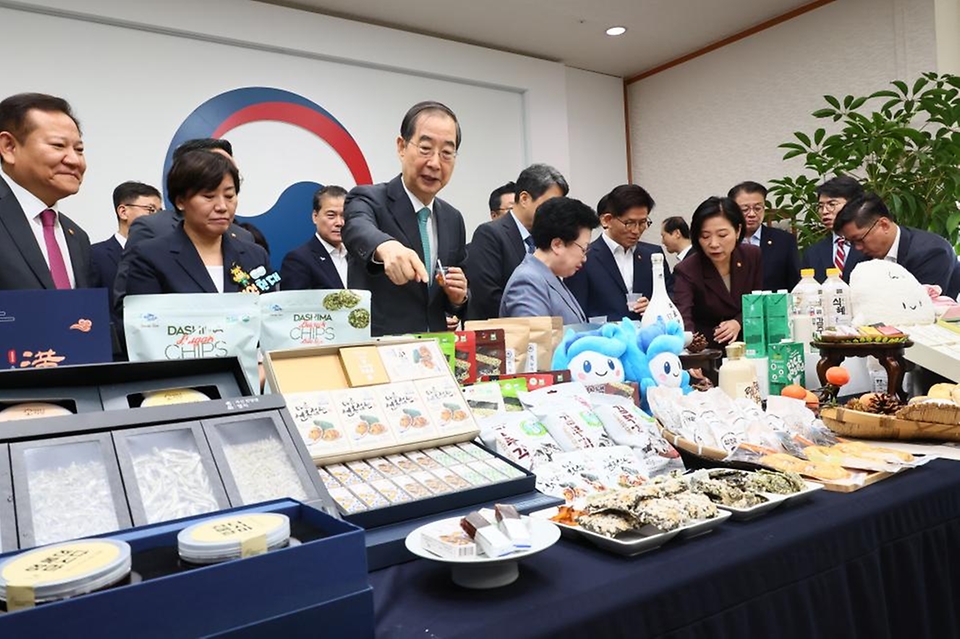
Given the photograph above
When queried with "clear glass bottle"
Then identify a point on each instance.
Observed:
(660, 306)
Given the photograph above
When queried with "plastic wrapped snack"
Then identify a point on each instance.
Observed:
(628, 425)
(575, 427)
(520, 437)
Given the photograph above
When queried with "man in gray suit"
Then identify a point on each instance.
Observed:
(41, 162)
(163, 222)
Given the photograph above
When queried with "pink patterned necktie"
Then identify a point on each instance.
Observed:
(838, 257)
(58, 269)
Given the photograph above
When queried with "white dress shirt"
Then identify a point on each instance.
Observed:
(755, 238)
(337, 256)
(121, 240)
(894, 248)
(32, 208)
(683, 252)
(624, 259)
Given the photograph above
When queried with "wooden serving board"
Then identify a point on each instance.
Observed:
(854, 423)
(872, 478)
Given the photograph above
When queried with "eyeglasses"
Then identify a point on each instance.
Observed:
(428, 150)
(756, 208)
(583, 249)
(829, 206)
(149, 208)
(634, 224)
(860, 239)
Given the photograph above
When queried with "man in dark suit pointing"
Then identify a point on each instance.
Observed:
(321, 263)
(396, 232)
(41, 162)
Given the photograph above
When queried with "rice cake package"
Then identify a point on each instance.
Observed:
(328, 480)
(369, 496)
(503, 467)
(446, 406)
(413, 360)
(176, 326)
(484, 398)
(406, 415)
(521, 437)
(362, 418)
(433, 483)
(393, 493)
(347, 501)
(407, 466)
(575, 427)
(452, 479)
(384, 467)
(441, 457)
(364, 471)
(343, 474)
(318, 423)
(470, 475)
(421, 459)
(412, 487)
(487, 471)
(628, 425)
(477, 451)
(298, 319)
(457, 453)
(448, 346)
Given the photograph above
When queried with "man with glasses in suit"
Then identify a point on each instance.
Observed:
(781, 258)
(833, 251)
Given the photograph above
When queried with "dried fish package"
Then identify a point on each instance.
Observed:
(70, 493)
(173, 477)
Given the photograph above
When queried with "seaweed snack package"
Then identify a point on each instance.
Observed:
(628, 425)
(318, 423)
(516, 337)
(575, 426)
(540, 344)
(555, 478)
(448, 346)
(446, 406)
(542, 400)
(484, 399)
(465, 353)
(363, 420)
(491, 352)
(619, 466)
(296, 319)
(520, 437)
(509, 388)
(194, 326)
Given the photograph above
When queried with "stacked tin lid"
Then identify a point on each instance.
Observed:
(232, 537)
(62, 570)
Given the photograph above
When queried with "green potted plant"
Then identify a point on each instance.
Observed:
(903, 143)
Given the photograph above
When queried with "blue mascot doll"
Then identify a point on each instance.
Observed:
(661, 345)
(608, 354)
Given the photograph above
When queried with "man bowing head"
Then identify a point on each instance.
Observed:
(398, 234)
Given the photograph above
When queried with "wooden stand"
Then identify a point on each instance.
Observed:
(889, 354)
(706, 360)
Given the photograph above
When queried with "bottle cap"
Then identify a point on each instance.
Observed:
(736, 350)
(807, 272)
(833, 272)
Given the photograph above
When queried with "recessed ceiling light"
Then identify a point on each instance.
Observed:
(615, 31)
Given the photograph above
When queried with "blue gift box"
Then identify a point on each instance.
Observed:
(317, 587)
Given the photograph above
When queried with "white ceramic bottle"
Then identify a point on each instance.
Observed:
(660, 306)
(738, 375)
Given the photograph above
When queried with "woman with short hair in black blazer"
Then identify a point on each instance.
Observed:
(709, 284)
(200, 256)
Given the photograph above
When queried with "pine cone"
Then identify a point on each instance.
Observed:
(879, 403)
(698, 344)
(854, 404)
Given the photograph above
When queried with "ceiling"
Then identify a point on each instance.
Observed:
(569, 31)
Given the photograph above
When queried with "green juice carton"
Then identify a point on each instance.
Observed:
(754, 324)
(786, 364)
(776, 312)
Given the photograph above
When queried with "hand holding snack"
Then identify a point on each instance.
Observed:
(453, 282)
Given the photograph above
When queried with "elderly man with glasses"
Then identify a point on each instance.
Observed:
(406, 245)
(781, 258)
(619, 263)
(870, 227)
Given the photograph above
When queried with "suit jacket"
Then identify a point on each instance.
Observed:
(534, 291)
(309, 266)
(819, 257)
(104, 257)
(599, 287)
(21, 261)
(954, 289)
(171, 264)
(495, 252)
(927, 256)
(147, 227)
(702, 298)
(380, 212)
(781, 259)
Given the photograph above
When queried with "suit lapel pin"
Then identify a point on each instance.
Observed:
(233, 235)
(769, 242)
(739, 264)
(70, 231)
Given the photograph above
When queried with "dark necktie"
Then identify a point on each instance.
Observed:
(58, 268)
(528, 240)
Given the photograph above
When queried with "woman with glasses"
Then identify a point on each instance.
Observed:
(561, 236)
(200, 256)
(710, 282)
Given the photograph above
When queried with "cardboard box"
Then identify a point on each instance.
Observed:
(181, 448)
(323, 580)
(363, 365)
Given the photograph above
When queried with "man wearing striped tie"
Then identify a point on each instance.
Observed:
(41, 162)
(833, 251)
(398, 233)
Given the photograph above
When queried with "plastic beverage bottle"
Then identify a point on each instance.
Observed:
(835, 300)
(807, 309)
(738, 375)
(660, 306)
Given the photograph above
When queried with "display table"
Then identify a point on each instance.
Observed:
(883, 562)
(890, 355)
